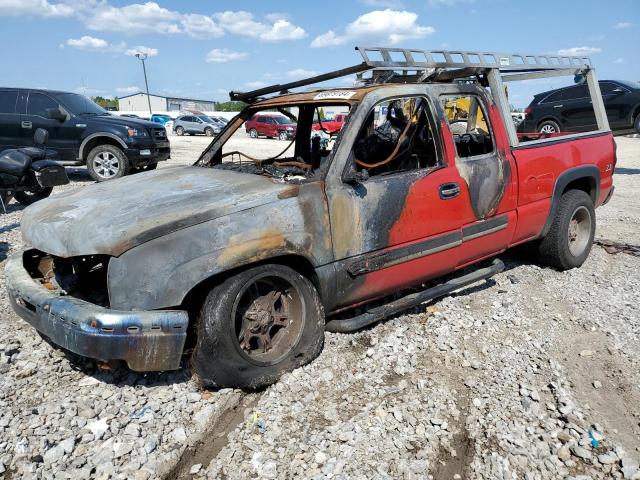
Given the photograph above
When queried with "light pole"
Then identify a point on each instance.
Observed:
(143, 57)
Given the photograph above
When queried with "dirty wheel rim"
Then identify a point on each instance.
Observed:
(106, 164)
(579, 231)
(548, 128)
(269, 317)
(179, 130)
(253, 133)
(208, 132)
(283, 136)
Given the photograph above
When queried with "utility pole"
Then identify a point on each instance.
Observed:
(143, 57)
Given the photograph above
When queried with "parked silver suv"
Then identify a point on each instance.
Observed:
(192, 124)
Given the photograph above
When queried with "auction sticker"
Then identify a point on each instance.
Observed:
(344, 94)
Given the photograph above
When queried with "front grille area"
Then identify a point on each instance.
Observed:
(83, 277)
(159, 133)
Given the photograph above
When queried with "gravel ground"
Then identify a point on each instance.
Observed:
(532, 375)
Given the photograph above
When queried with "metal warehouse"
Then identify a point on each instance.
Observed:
(138, 102)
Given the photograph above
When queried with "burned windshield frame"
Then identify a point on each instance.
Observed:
(213, 155)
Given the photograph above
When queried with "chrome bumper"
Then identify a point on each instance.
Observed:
(146, 340)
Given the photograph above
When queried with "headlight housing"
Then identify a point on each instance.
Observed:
(137, 132)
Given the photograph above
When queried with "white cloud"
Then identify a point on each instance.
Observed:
(382, 26)
(39, 8)
(579, 51)
(201, 26)
(134, 19)
(301, 73)
(619, 60)
(622, 25)
(244, 23)
(223, 55)
(98, 45)
(149, 52)
(127, 90)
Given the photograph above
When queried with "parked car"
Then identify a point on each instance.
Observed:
(331, 126)
(569, 109)
(192, 124)
(243, 265)
(161, 119)
(271, 126)
(81, 132)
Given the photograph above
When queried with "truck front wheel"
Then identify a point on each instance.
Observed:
(568, 243)
(106, 162)
(256, 325)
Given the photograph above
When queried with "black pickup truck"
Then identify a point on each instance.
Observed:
(81, 132)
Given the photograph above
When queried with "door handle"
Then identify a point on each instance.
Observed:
(27, 125)
(558, 106)
(449, 190)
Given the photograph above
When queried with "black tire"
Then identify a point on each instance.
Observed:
(107, 162)
(253, 133)
(179, 131)
(561, 248)
(636, 123)
(27, 198)
(208, 132)
(548, 126)
(222, 359)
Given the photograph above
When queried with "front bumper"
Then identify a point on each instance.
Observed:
(146, 340)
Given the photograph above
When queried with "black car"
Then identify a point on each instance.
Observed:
(81, 132)
(569, 109)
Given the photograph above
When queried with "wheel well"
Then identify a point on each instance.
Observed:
(195, 297)
(94, 142)
(586, 184)
(548, 119)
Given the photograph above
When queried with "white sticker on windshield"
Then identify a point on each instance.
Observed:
(344, 94)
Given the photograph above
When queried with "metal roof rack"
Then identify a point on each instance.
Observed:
(403, 65)
(389, 65)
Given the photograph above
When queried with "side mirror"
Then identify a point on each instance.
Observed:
(40, 137)
(56, 114)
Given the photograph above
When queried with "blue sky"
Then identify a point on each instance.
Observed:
(202, 49)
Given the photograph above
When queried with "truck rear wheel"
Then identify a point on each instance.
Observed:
(569, 241)
(106, 162)
(257, 325)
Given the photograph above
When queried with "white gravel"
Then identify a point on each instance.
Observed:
(498, 381)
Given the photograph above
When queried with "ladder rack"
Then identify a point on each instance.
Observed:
(416, 66)
(401, 65)
(404, 58)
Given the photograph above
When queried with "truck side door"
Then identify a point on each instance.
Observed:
(9, 119)
(402, 224)
(489, 176)
(63, 136)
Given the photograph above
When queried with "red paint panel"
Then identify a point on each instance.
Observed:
(488, 244)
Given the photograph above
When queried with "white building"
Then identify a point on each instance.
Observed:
(138, 102)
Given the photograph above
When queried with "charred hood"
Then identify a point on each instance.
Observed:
(112, 217)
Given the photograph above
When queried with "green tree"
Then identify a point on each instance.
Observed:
(230, 106)
(105, 102)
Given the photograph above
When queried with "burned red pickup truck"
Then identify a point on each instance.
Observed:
(242, 263)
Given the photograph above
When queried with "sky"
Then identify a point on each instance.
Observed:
(202, 49)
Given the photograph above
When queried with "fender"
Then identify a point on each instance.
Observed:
(96, 135)
(586, 171)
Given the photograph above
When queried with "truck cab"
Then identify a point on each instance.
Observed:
(250, 259)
